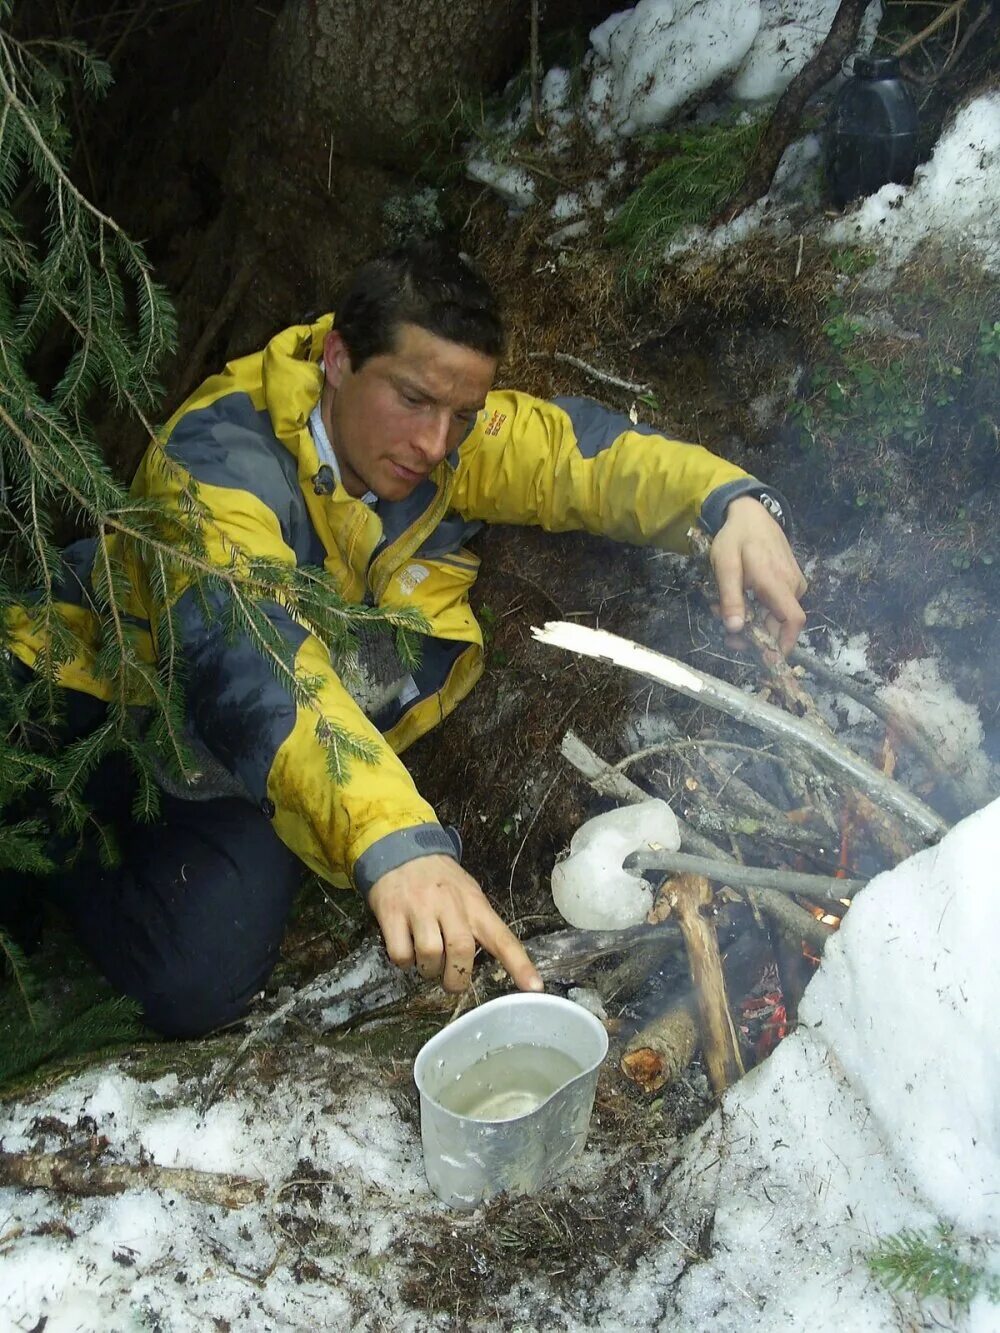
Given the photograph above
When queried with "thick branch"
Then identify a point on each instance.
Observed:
(688, 896)
(784, 122)
(69, 1174)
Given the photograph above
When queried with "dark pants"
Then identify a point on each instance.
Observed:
(190, 920)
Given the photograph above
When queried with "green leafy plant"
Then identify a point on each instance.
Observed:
(989, 340)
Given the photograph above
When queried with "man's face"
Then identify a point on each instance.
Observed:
(392, 421)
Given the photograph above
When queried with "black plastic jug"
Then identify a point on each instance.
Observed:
(871, 136)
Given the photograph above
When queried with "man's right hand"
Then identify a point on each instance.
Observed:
(433, 914)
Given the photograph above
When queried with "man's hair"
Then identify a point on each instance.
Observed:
(427, 283)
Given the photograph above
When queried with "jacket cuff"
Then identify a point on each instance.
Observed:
(407, 844)
(713, 511)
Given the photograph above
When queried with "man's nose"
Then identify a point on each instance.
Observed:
(434, 435)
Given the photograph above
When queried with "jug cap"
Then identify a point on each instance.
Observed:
(876, 67)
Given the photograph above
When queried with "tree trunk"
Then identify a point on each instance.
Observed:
(373, 80)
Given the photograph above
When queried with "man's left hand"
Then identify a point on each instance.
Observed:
(750, 553)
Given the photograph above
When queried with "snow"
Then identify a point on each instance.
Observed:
(651, 60)
(790, 33)
(513, 184)
(919, 691)
(882, 1112)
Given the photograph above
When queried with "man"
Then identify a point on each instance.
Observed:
(371, 445)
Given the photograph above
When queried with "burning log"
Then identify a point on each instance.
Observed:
(661, 1050)
(827, 750)
(659, 1053)
(687, 896)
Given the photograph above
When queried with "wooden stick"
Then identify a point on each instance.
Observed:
(67, 1173)
(746, 877)
(800, 703)
(535, 67)
(705, 689)
(602, 376)
(688, 894)
(945, 16)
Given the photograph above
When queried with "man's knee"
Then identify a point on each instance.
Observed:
(182, 1004)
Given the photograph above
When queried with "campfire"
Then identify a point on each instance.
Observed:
(815, 818)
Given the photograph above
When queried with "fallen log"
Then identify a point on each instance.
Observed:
(829, 752)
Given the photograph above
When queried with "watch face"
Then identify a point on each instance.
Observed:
(772, 505)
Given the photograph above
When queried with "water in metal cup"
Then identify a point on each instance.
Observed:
(506, 1095)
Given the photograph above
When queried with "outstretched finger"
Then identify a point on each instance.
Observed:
(510, 953)
(728, 571)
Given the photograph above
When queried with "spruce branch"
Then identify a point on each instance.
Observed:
(929, 1264)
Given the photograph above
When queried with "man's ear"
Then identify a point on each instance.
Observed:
(336, 358)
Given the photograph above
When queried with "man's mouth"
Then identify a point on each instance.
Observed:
(407, 474)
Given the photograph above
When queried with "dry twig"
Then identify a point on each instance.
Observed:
(602, 376)
(704, 689)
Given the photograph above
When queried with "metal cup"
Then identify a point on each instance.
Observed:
(469, 1160)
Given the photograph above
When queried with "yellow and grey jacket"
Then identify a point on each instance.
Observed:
(244, 438)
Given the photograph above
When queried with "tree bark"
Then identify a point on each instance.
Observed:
(373, 81)
(784, 122)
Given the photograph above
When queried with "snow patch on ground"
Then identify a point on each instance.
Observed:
(650, 60)
(879, 1114)
(790, 34)
(920, 692)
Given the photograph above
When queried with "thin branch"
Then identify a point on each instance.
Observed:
(945, 16)
(745, 877)
(602, 376)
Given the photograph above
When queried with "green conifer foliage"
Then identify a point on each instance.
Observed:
(84, 328)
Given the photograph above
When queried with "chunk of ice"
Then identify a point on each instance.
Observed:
(590, 888)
